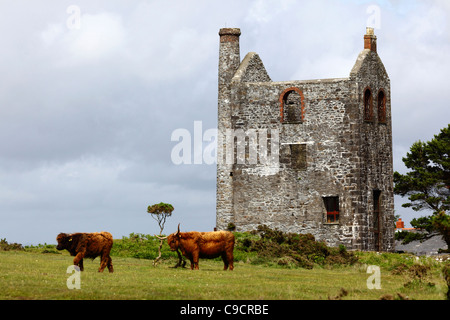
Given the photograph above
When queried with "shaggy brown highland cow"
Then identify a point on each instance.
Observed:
(194, 245)
(88, 245)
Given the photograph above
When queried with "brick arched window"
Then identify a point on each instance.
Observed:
(381, 106)
(292, 105)
(368, 105)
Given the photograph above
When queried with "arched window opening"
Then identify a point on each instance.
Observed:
(292, 105)
(292, 110)
(368, 113)
(381, 107)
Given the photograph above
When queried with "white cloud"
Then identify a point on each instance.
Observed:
(263, 11)
(98, 36)
(52, 33)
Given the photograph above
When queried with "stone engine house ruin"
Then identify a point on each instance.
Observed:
(308, 156)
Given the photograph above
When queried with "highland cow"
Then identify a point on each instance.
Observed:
(88, 245)
(194, 245)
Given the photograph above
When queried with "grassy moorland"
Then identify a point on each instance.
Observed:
(263, 270)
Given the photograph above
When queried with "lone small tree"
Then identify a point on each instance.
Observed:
(160, 212)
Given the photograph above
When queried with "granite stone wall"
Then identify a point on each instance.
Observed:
(313, 144)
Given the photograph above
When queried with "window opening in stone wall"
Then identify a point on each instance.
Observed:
(292, 107)
(298, 156)
(368, 113)
(377, 218)
(381, 107)
(332, 207)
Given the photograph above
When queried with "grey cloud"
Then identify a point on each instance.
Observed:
(86, 115)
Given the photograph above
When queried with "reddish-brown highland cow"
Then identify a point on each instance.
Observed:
(194, 245)
(88, 245)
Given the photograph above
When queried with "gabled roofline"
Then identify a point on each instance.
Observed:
(244, 68)
(360, 61)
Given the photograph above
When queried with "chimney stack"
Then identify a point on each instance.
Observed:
(229, 34)
(229, 55)
(400, 224)
(370, 40)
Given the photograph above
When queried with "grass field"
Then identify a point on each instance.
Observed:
(41, 274)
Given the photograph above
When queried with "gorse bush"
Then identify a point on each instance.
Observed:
(5, 246)
(298, 250)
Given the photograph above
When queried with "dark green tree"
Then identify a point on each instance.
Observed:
(427, 184)
(160, 212)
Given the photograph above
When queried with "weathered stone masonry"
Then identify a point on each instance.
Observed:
(333, 177)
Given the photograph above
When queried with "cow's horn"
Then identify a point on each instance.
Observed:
(178, 228)
(161, 238)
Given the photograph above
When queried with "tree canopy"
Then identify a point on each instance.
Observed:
(160, 212)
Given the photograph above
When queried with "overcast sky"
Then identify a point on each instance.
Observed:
(91, 91)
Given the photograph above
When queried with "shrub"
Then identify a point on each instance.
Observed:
(289, 249)
(5, 246)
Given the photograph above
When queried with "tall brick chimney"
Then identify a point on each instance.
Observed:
(229, 61)
(229, 55)
(370, 40)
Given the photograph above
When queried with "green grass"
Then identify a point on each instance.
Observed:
(35, 275)
(39, 272)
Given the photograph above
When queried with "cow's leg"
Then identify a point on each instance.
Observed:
(110, 265)
(195, 257)
(80, 264)
(102, 265)
(230, 260)
(192, 263)
(78, 260)
(181, 262)
(225, 261)
(103, 262)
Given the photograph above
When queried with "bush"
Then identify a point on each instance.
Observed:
(5, 246)
(141, 246)
(291, 249)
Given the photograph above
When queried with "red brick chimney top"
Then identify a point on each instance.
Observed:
(370, 40)
(229, 34)
(400, 224)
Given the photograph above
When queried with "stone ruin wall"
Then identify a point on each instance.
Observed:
(343, 155)
(330, 167)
